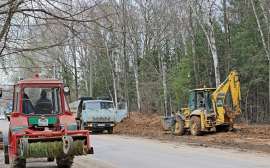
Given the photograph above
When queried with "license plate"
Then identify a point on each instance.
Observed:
(42, 122)
(101, 125)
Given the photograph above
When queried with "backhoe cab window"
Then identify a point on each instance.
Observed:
(42, 100)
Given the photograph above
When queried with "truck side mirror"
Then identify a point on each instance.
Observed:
(1, 92)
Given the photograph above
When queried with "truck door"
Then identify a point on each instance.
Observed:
(121, 112)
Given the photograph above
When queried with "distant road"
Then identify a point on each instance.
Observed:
(127, 152)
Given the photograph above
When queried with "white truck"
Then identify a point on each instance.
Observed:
(99, 115)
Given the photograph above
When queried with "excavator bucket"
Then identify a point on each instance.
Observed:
(231, 113)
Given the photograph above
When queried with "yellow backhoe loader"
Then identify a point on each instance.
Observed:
(206, 108)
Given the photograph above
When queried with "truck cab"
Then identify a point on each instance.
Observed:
(99, 115)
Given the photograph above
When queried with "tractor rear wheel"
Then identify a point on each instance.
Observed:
(179, 127)
(18, 162)
(5, 139)
(195, 126)
(65, 162)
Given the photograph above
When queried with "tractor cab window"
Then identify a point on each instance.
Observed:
(42, 100)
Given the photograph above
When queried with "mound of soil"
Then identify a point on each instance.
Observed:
(244, 137)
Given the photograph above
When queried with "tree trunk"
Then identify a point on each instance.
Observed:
(263, 41)
(210, 38)
(91, 74)
(126, 65)
(227, 37)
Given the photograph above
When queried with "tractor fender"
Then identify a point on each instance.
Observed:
(182, 116)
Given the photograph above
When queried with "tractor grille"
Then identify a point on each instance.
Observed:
(101, 119)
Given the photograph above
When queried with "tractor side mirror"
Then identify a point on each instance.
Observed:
(66, 90)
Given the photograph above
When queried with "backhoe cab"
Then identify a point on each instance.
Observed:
(206, 108)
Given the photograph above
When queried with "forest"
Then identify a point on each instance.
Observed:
(148, 53)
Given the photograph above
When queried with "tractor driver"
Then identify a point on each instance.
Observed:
(43, 98)
(43, 103)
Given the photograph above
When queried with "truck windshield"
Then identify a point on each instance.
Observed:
(99, 105)
(42, 100)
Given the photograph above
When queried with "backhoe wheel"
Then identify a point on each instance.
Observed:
(65, 162)
(195, 126)
(179, 127)
(110, 130)
(18, 162)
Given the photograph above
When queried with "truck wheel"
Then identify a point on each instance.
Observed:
(110, 130)
(195, 126)
(65, 162)
(179, 127)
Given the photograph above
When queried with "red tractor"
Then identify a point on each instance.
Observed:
(42, 125)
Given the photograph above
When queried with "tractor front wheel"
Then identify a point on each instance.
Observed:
(195, 126)
(50, 159)
(18, 162)
(14, 160)
(65, 162)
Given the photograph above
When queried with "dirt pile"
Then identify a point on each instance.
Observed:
(137, 124)
(244, 137)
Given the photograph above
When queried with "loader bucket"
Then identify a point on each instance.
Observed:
(165, 123)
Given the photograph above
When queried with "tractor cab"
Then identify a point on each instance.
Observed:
(42, 100)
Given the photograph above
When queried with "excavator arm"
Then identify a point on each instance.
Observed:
(218, 97)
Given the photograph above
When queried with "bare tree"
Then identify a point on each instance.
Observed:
(208, 31)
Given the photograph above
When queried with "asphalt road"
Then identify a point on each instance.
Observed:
(120, 151)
